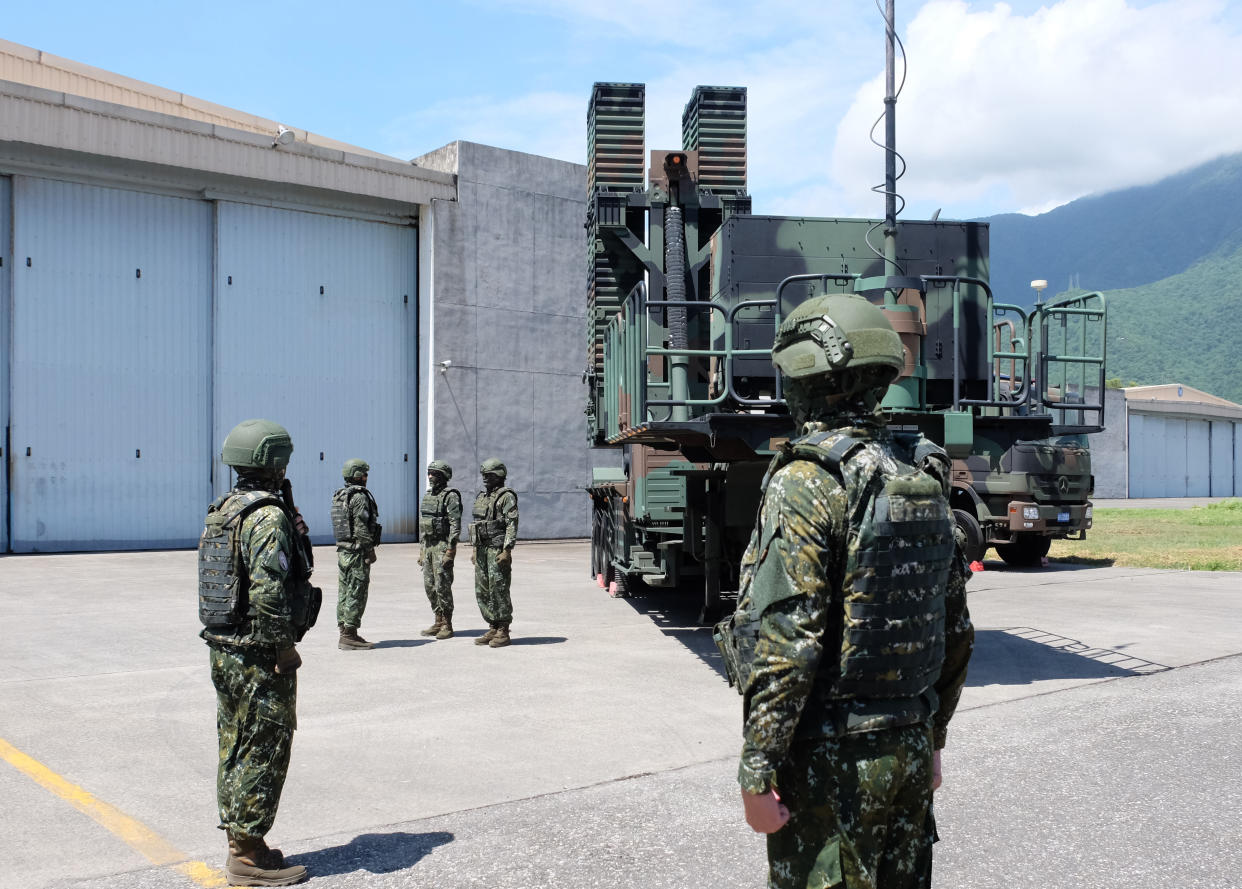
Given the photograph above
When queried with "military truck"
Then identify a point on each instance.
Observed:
(686, 289)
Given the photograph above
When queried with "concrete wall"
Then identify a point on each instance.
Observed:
(508, 309)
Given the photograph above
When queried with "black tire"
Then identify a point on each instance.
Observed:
(974, 545)
(1025, 550)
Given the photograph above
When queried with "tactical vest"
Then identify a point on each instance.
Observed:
(487, 529)
(886, 642)
(342, 519)
(223, 582)
(434, 523)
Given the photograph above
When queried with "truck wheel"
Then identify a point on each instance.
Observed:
(1025, 550)
(972, 545)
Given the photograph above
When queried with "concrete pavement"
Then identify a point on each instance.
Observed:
(1095, 744)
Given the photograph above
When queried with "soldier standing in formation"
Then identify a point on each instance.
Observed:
(439, 528)
(856, 584)
(255, 601)
(355, 524)
(494, 534)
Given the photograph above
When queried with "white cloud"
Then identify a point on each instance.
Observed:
(1007, 106)
(1081, 96)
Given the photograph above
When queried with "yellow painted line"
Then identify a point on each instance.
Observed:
(134, 833)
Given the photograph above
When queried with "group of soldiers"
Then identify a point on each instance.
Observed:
(493, 534)
(256, 602)
(850, 642)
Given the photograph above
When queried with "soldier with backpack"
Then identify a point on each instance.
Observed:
(493, 533)
(356, 527)
(840, 639)
(255, 602)
(439, 527)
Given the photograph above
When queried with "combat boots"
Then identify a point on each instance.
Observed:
(434, 629)
(487, 637)
(252, 863)
(446, 628)
(351, 641)
(501, 639)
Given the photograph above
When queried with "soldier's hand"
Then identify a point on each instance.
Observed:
(371, 556)
(504, 557)
(288, 661)
(765, 813)
(299, 523)
(420, 557)
(472, 558)
(450, 554)
(937, 777)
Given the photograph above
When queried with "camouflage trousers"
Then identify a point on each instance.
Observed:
(438, 577)
(860, 812)
(351, 589)
(255, 719)
(491, 585)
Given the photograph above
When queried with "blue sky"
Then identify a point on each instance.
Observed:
(1016, 106)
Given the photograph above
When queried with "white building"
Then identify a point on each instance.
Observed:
(169, 267)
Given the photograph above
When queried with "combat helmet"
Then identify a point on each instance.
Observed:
(354, 468)
(441, 467)
(493, 465)
(257, 444)
(830, 334)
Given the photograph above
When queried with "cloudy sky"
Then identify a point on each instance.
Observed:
(1016, 106)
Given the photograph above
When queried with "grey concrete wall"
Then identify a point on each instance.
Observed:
(1110, 460)
(509, 305)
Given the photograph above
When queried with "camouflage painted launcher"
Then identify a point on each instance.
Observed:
(686, 292)
(686, 193)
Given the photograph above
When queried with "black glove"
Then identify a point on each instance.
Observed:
(288, 660)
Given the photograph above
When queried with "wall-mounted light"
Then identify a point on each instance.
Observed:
(284, 136)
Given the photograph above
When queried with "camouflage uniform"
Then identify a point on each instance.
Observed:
(255, 705)
(855, 774)
(439, 528)
(354, 555)
(498, 510)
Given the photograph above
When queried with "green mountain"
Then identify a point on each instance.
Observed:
(1168, 257)
(1121, 239)
(1186, 328)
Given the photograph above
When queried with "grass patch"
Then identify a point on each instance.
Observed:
(1202, 538)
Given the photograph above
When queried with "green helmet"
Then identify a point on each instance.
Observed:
(441, 467)
(257, 444)
(827, 335)
(493, 465)
(354, 468)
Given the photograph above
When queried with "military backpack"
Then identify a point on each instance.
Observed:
(886, 640)
(223, 580)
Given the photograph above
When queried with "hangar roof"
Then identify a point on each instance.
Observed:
(59, 116)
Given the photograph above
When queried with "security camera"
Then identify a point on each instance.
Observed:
(444, 365)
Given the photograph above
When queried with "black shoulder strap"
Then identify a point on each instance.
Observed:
(251, 500)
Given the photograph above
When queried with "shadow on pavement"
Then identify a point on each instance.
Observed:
(376, 853)
(677, 613)
(402, 643)
(1022, 655)
(538, 640)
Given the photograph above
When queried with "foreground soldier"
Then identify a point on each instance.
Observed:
(494, 534)
(355, 524)
(845, 579)
(255, 601)
(439, 528)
